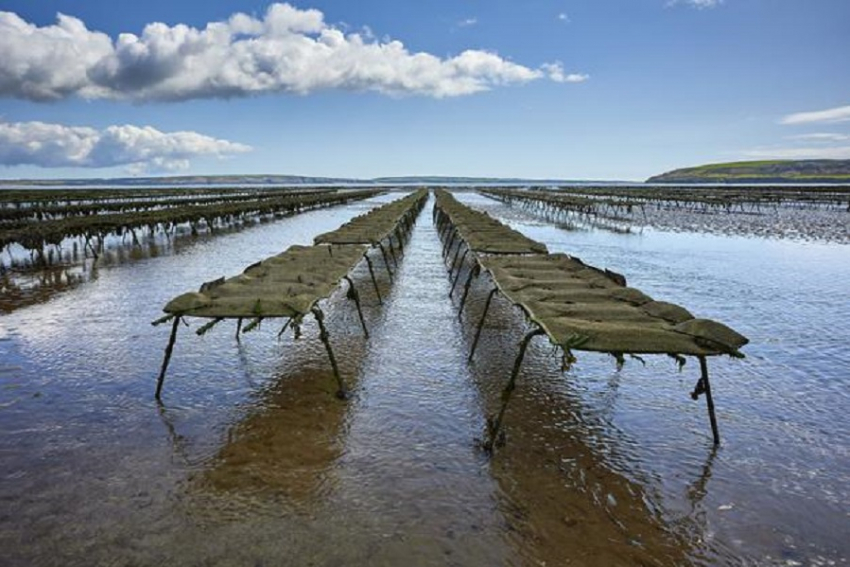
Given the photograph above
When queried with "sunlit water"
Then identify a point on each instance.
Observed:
(252, 460)
(778, 489)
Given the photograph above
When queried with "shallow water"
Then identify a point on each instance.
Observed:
(824, 223)
(778, 489)
(252, 460)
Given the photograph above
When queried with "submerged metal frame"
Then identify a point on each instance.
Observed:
(324, 336)
(168, 350)
(374, 281)
(704, 387)
(352, 294)
(494, 424)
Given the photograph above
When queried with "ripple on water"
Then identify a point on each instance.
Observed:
(782, 410)
(252, 447)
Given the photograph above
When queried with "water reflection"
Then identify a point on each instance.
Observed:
(24, 283)
(19, 289)
(699, 489)
(244, 362)
(566, 499)
(280, 453)
(284, 448)
(179, 443)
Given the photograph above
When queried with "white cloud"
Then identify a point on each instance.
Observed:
(699, 4)
(288, 50)
(139, 148)
(49, 62)
(839, 152)
(564, 18)
(821, 137)
(840, 114)
(467, 22)
(555, 71)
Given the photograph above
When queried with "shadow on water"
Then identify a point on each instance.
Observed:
(568, 501)
(279, 455)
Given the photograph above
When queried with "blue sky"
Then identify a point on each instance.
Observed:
(603, 89)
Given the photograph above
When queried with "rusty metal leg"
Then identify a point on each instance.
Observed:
(374, 281)
(449, 244)
(472, 273)
(386, 260)
(284, 328)
(342, 393)
(457, 253)
(441, 223)
(168, 350)
(494, 425)
(448, 228)
(352, 294)
(709, 401)
(459, 270)
(481, 323)
(392, 253)
(445, 238)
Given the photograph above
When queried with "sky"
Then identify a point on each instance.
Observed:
(566, 89)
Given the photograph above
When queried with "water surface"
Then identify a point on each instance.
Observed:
(252, 460)
(778, 489)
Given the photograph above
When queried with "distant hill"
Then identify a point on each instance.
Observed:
(447, 180)
(779, 171)
(180, 180)
(187, 180)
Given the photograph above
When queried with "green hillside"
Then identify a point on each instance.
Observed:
(777, 171)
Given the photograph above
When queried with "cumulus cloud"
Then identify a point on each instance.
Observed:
(838, 152)
(562, 17)
(138, 148)
(839, 114)
(288, 50)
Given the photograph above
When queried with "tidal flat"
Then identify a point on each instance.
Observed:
(251, 459)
